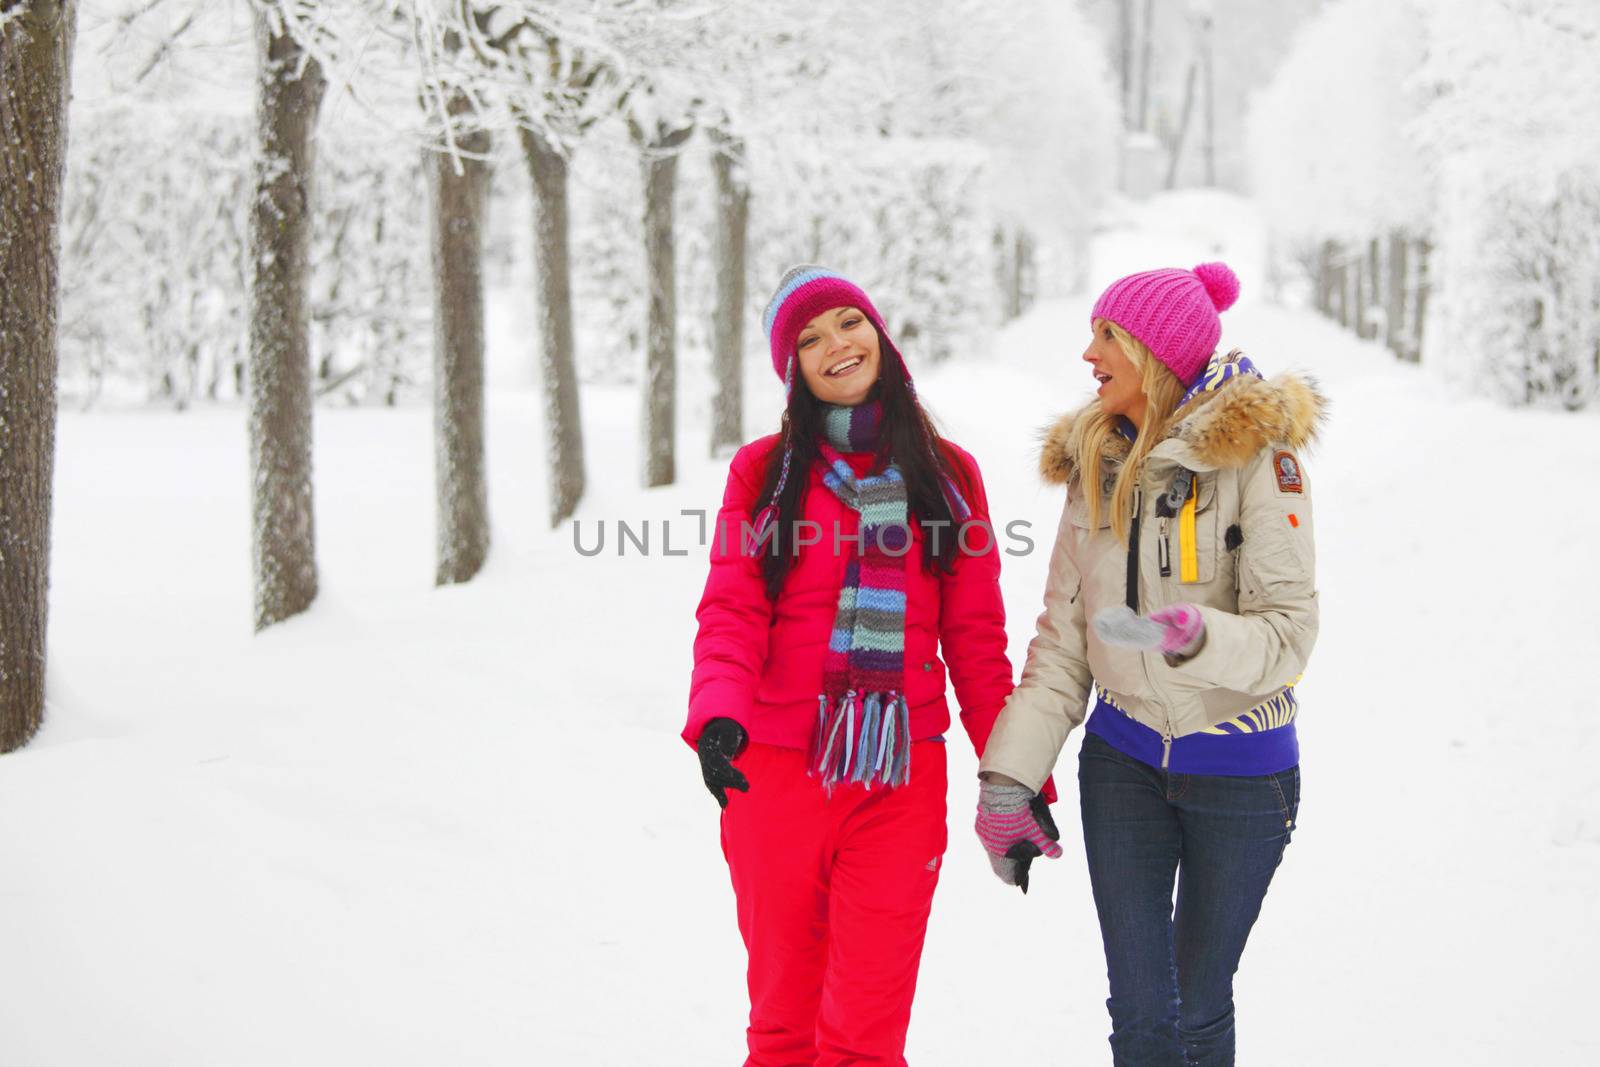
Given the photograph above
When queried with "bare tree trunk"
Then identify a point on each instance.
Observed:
(1424, 253)
(1147, 47)
(1003, 270)
(1210, 145)
(727, 327)
(1358, 266)
(1394, 331)
(1374, 297)
(547, 167)
(1183, 127)
(35, 76)
(1341, 275)
(290, 88)
(461, 490)
(660, 163)
(1022, 273)
(1325, 277)
(1125, 59)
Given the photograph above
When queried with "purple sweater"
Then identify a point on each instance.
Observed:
(1261, 741)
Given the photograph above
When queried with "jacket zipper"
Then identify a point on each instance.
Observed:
(1133, 548)
(1133, 603)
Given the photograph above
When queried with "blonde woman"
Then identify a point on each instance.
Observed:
(1180, 610)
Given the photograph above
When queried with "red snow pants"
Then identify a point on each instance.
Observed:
(834, 894)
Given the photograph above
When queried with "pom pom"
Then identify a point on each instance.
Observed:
(1222, 285)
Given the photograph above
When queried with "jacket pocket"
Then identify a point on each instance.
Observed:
(924, 670)
(1078, 512)
(1268, 563)
(1188, 542)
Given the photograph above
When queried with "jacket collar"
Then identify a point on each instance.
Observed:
(1219, 426)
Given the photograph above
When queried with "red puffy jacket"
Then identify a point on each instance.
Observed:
(760, 663)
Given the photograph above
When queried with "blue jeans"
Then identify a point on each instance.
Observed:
(1171, 971)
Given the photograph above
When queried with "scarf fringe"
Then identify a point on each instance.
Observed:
(864, 739)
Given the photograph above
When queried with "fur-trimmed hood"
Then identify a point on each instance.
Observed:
(1215, 430)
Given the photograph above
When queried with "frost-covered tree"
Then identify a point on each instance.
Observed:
(290, 88)
(659, 138)
(662, 91)
(36, 39)
(730, 243)
(459, 189)
(753, 57)
(548, 68)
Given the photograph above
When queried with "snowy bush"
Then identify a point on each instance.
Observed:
(153, 301)
(371, 280)
(1514, 91)
(1535, 285)
(608, 267)
(155, 281)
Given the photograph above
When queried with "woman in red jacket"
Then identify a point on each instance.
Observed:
(849, 547)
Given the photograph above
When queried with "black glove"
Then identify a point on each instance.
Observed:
(1022, 854)
(1025, 852)
(720, 742)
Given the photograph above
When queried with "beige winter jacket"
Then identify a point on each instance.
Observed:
(1243, 554)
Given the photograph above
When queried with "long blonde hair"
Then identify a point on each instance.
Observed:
(1162, 392)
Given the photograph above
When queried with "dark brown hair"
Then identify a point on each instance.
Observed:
(908, 439)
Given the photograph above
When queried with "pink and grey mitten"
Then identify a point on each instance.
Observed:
(1015, 826)
(1175, 630)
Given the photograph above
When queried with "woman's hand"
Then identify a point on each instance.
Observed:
(720, 741)
(1175, 630)
(1015, 827)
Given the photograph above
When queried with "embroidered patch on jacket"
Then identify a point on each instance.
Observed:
(1287, 468)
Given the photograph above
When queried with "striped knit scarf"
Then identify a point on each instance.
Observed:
(863, 729)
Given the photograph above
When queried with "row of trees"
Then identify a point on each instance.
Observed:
(877, 140)
(1445, 200)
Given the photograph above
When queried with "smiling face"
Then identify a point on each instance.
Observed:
(839, 356)
(1121, 383)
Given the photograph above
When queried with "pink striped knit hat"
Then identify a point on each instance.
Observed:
(805, 292)
(1173, 312)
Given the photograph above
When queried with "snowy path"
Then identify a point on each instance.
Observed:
(457, 826)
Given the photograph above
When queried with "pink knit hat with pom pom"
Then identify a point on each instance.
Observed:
(1173, 312)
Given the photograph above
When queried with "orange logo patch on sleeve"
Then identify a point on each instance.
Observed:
(1287, 469)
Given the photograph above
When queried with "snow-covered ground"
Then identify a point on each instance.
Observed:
(421, 826)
